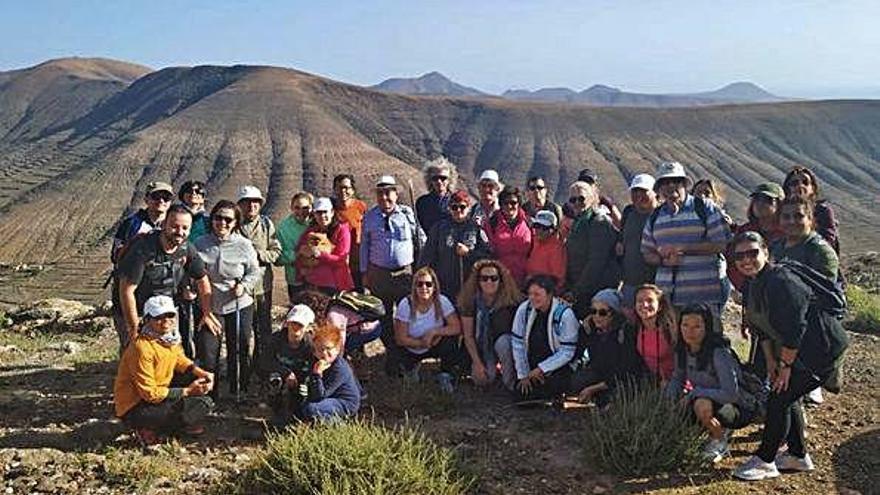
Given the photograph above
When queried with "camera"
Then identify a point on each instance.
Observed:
(276, 381)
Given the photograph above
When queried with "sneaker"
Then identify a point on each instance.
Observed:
(445, 380)
(715, 450)
(788, 462)
(815, 396)
(755, 469)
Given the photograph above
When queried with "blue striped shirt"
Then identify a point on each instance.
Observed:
(388, 241)
(697, 279)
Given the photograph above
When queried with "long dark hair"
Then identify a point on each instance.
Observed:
(712, 340)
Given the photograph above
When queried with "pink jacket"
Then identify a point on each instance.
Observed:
(332, 268)
(511, 246)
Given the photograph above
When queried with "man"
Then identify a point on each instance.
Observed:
(592, 261)
(390, 240)
(536, 191)
(440, 179)
(454, 245)
(261, 232)
(684, 239)
(635, 271)
(351, 210)
(289, 231)
(489, 187)
(155, 264)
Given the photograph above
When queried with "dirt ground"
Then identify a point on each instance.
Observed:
(57, 434)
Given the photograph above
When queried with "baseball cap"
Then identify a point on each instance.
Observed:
(545, 218)
(490, 175)
(159, 305)
(386, 182)
(769, 189)
(323, 204)
(249, 192)
(588, 175)
(157, 186)
(642, 181)
(301, 314)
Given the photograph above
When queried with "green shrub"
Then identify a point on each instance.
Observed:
(864, 310)
(643, 433)
(353, 458)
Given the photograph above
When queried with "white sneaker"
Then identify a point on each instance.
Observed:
(715, 450)
(788, 462)
(755, 469)
(815, 396)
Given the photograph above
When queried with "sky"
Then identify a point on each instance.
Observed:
(811, 49)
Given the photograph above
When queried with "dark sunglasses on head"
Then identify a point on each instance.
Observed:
(489, 278)
(536, 187)
(578, 199)
(425, 283)
(600, 312)
(458, 207)
(226, 220)
(747, 254)
(441, 178)
(161, 196)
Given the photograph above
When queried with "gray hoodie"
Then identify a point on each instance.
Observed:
(226, 262)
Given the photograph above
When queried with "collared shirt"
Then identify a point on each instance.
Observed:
(388, 241)
(479, 214)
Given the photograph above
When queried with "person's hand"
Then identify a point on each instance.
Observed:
(319, 366)
(461, 250)
(525, 386)
(586, 395)
(536, 375)
(670, 255)
(290, 381)
(210, 321)
(198, 387)
(478, 373)
(780, 383)
(188, 294)
(238, 289)
(744, 331)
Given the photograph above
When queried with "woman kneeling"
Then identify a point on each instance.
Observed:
(334, 392)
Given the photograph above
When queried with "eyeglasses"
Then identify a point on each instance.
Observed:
(747, 254)
(162, 196)
(166, 316)
(792, 216)
(540, 226)
(425, 283)
(578, 200)
(489, 278)
(226, 220)
(600, 312)
(536, 187)
(441, 178)
(458, 207)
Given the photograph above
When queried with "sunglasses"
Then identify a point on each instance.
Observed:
(458, 207)
(578, 199)
(600, 312)
(425, 283)
(747, 254)
(536, 187)
(161, 197)
(166, 316)
(303, 208)
(489, 278)
(441, 178)
(226, 220)
(805, 181)
(541, 226)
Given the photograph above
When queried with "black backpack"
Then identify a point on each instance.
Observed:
(829, 294)
(367, 306)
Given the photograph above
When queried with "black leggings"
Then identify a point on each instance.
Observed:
(208, 350)
(170, 414)
(448, 350)
(785, 416)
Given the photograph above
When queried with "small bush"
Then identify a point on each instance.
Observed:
(864, 310)
(137, 470)
(353, 458)
(643, 433)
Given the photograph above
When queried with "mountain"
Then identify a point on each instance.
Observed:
(432, 83)
(74, 174)
(607, 96)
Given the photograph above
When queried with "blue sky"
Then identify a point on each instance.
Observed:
(793, 48)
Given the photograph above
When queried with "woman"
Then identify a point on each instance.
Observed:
(351, 210)
(425, 325)
(547, 255)
(705, 362)
(803, 346)
(801, 242)
(509, 234)
(611, 349)
(801, 182)
(193, 194)
(763, 218)
(441, 179)
(234, 272)
(710, 189)
(326, 245)
(487, 303)
(655, 331)
(544, 341)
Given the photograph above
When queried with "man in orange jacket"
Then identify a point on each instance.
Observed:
(548, 251)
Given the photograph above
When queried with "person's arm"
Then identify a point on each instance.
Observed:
(272, 252)
(205, 291)
(402, 337)
(470, 340)
(251, 268)
(341, 247)
(144, 379)
(649, 245)
(567, 344)
(452, 327)
(727, 370)
(517, 343)
(129, 307)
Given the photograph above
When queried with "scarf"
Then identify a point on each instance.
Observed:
(483, 326)
(166, 339)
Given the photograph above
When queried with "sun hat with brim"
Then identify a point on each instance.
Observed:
(323, 204)
(545, 218)
(301, 314)
(671, 171)
(770, 189)
(491, 176)
(249, 192)
(157, 306)
(642, 181)
(159, 186)
(386, 182)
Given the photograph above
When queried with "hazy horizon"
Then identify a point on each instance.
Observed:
(806, 49)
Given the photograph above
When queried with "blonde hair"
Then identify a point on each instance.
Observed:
(435, 297)
(508, 292)
(440, 164)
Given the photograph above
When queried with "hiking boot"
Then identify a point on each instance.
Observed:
(446, 382)
(147, 437)
(789, 462)
(815, 396)
(755, 469)
(716, 449)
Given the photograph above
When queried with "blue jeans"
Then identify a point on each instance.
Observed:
(356, 340)
(325, 409)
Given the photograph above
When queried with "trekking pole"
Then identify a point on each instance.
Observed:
(191, 327)
(237, 345)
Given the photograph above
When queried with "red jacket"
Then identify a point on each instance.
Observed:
(547, 258)
(331, 269)
(511, 245)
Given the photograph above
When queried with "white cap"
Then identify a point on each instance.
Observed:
(490, 175)
(642, 181)
(323, 204)
(249, 192)
(301, 314)
(545, 218)
(385, 182)
(671, 170)
(159, 305)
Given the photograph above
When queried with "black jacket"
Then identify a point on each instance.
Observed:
(439, 252)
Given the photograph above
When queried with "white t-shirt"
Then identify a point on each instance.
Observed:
(423, 322)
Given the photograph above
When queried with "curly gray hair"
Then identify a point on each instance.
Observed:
(440, 165)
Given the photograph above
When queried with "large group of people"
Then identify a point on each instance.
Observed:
(507, 290)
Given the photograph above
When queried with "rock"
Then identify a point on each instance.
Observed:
(9, 349)
(68, 347)
(53, 309)
(203, 474)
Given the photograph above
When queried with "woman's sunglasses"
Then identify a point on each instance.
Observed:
(425, 283)
(578, 199)
(747, 254)
(458, 207)
(226, 220)
(489, 278)
(600, 312)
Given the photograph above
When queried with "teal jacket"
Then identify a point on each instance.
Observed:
(288, 232)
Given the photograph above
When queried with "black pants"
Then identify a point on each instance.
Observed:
(785, 416)
(448, 350)
(587, 376)
(262, 328)
(170, 414)
(554, 386)
(208, 350)
(286, 402)
(390, 286)
(189, 316)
